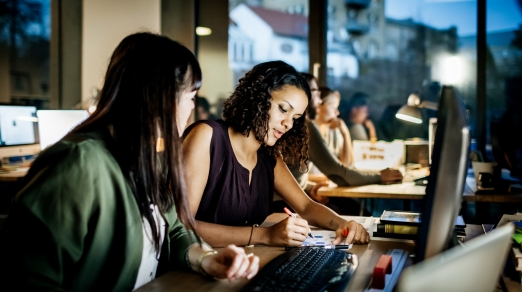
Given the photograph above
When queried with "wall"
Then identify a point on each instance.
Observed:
(105, 24)
(212, 51)
(4, 74)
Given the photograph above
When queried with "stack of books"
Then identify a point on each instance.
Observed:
(405, 225)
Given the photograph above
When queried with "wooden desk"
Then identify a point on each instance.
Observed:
(13, 176)
(410, 191)
(368, 255)
(406, 190)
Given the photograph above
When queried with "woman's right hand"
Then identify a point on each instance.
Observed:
(338, 123)
(313, 192)
(232, 263)
(289, 232)
(390, 175)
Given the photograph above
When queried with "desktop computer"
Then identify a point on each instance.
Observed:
(53, 125)
(447, 177)
(18, 131)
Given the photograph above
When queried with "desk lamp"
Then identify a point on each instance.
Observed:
(410, 111)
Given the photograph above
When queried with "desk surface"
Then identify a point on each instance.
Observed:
(410, 191)
(368, 255)
(14, 175)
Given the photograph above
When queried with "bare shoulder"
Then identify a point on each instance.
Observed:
(201, 134)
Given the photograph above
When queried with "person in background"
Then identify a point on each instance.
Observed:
(360, 127)
(333, 129)
(327, 163)
(203, 109)
(103, 209)
(234, 165)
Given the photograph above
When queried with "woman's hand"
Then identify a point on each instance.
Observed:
(313, 192)
(390, 175)
(339, 123)
(356, 233)
(371, 130)
(232, 263)
(289, 232)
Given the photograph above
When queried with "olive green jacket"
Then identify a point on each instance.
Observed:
(75, 225)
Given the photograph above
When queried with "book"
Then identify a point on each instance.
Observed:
(407, 231)
(396, 228)
(517, 257)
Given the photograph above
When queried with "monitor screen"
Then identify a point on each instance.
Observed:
(447, 177)
(53, 125)
(17, 125)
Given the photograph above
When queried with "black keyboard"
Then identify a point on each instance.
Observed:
(306, 269)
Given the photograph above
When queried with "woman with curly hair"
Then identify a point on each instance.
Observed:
(234, 165)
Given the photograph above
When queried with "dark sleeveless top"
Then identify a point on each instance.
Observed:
(227, 198)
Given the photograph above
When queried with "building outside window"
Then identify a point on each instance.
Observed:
(25, 32)
(273, 30)
(405, 46)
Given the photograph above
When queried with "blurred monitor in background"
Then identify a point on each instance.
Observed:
(17, 131)
(53, 125)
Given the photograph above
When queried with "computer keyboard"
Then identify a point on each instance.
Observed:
(306, 269)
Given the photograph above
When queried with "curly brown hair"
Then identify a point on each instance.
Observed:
(248, 110)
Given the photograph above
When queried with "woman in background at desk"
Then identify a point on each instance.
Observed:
(333, 130)
(234, 166)
(103, 208)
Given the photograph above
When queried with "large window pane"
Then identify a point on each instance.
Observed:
(267, 30)
(24, 52)
(504, 82)
(391, 49)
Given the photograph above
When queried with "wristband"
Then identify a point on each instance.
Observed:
(199, 265)
(251, 232)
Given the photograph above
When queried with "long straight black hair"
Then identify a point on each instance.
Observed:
(145, 78)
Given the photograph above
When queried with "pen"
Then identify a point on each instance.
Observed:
(294, 216)
(328, 246)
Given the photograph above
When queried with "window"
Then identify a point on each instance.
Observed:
(414, 50)
(373, 48)
(373, 20)
(391, 51)
(503, 68)
(24, 52)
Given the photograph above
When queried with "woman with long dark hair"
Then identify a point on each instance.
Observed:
(103, 209)
(234, 165)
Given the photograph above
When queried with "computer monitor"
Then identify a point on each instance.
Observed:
(431, 135)
(447, 177)
(18, 131)
(53, 125)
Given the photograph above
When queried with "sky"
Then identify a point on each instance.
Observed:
(500, 14)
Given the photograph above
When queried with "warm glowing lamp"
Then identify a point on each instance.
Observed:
(410, 112)
(203, 31)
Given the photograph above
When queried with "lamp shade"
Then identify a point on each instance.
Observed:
(409, 113)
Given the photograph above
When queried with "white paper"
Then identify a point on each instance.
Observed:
(325, 237)
(506, 218)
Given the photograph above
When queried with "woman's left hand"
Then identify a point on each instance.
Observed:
(356, 233)
(231, 262)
